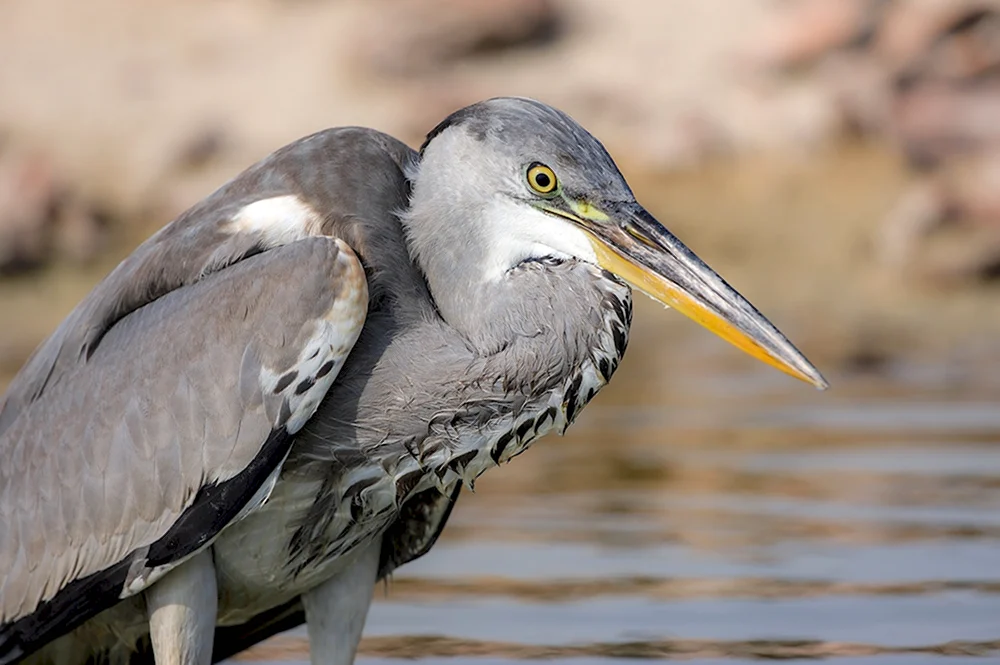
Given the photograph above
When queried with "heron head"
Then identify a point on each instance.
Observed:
(538, 184)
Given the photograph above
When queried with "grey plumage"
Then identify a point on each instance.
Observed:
(489, 317)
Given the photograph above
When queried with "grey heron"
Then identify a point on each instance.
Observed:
(275, 400)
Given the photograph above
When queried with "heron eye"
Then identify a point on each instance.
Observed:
(541, 178)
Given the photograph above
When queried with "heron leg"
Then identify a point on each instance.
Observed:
(182, 611)
(336, 610)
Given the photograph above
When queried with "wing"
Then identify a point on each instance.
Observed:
(308, 188)
(114, 456)
(177, 420)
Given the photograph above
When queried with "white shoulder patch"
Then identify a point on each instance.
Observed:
(280, 220)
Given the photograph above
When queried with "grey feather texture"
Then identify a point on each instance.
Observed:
(109, 456)
(488, 325)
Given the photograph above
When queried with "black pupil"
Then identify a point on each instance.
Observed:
(542, 180)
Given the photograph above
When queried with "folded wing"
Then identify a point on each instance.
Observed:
(159, 414)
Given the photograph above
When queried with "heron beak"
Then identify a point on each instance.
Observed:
(632, 244)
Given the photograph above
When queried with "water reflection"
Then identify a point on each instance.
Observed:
(743, 524)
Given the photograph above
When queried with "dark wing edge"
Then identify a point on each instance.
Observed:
(193, 247)
(216, 505)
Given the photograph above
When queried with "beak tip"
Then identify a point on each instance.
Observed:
(816, 379)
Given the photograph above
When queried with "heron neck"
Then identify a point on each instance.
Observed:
(475, 307)
(468, 270)
(470, 241)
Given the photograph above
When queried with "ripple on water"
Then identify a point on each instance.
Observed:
(882, 549)
(885, 621)
(905, 562)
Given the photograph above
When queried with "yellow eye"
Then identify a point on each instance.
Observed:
(542, 179)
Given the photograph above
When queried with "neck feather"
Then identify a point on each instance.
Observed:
(469, 242)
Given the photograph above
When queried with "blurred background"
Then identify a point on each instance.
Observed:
(838, 161)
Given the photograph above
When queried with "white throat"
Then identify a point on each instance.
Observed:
(512, 232)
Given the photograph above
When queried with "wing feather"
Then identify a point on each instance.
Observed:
(218, 314)
(140, 455)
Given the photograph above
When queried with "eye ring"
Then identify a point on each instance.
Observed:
(542, 179)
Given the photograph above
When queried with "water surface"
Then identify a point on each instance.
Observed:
(747, 524)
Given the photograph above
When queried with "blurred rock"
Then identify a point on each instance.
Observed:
(425, 35)
(804, 31)
(944, 59)
(946, 227)
(932, 122)
(81, 232)
(974, 191)
(201, 149)
(921, 209)
(950, 39)
(40, 217)
(859, 88)
(926, 75)
(28, 200)
(867, 360)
